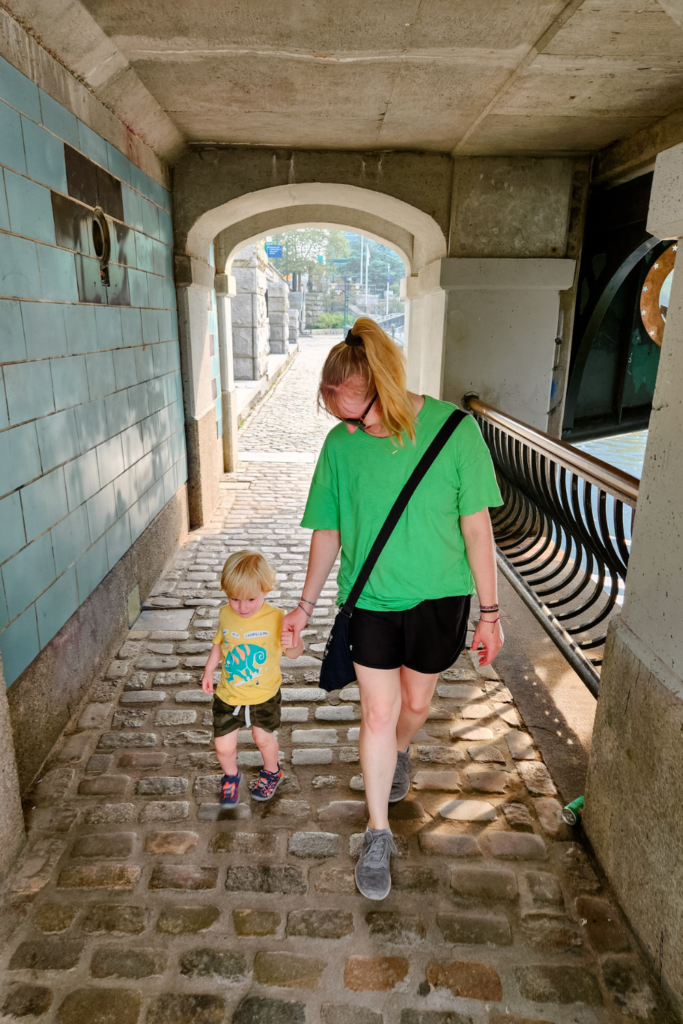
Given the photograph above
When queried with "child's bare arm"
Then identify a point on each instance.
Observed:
(213, 662)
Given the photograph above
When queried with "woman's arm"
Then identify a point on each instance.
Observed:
(481, 554)
(325, 546)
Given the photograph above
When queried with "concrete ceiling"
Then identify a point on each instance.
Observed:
(460, 76)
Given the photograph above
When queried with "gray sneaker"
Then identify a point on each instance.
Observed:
(401, 783)
(373, 876)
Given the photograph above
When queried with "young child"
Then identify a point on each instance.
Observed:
(248, 646)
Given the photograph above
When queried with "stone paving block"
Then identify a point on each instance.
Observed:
(288, 809)
(407, 810)
(518, 817)
(507, 714)
(448, 781)
(170, 634)
(104, 785)
(254, 758)
(143, 697)
(484, 882)
(117, 669)
(183, 876)
(414, 878)
(344, 810)
(401, 929)
(288, 970)
(332, 1013)
(53, 787)
(99, 763)
(549, 811)
(312, 755)
(173, 717)
(350, 693)
(521, 746)
(115, 740)
(549, 933)
(143, 759)
(165, 810)
(449, 844)
(475, 928)
(173, 785)
(100, 1006)
(104, 691)
(128, 718)
(338, 713)
(467, 980)
(536, 778)
(109, 814)
(130, 649)
(256, 922)
(24, 1000)
(468, 810)
(196, 760)
(306, 693)
(213, 963)
(173, 678)
(544, 889)
(189, 738)
(314, 735)
(487, 754)
(459, 691)
(52, 954)
(475, 711)
(440, 755)
(334, 880)
(488, 781)
(563, 985)
(186, 920)
(38, 861)
(629, 987)
(296, 714)
(259, 1010)
(601, 924)
(207, 785)
(99, 876)
(174, 1008)
(314, 844)
(113, 962)
(353, 734)
(517, 846)
(514, 1018)
(471, 732)
(357, 784)
(114, 919)
(156, 663)
(138, 681)
(349, 755)
(94, 716)
(104, 844)
(193, 697)
(374, 974)
(320, 924)
(265, 878)
(214, 812)
(248, 844)
(171, 842)
(196, 661)
(54, 917)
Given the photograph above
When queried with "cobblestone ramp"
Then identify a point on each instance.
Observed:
(138, 901)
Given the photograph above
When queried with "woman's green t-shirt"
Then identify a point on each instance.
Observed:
(356, 481)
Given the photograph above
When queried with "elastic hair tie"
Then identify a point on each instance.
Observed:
(353, 339)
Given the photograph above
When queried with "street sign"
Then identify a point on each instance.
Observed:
(274, 251)
(344, 260)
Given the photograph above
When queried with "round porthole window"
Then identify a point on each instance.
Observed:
(101, 242)
(654, 298)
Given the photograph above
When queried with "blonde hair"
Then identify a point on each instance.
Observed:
(378, 365)
(245, 573)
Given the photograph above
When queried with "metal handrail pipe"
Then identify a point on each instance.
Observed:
(620, 485)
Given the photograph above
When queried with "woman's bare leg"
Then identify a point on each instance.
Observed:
(417, 691)
(380, 699)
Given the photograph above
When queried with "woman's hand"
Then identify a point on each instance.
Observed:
(293, 623)
(489, 636)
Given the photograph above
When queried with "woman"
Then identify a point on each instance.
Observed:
(410, 622)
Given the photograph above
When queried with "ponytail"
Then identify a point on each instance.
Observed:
(378, 365)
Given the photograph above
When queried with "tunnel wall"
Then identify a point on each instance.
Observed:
(92, 444)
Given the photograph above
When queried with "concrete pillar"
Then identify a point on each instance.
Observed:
(278, 316)
(501, 321)
(634, 810)
(11, 819)
(194, 283)
(425, 324)
(293, 326)
(225, 285)
(250, 326)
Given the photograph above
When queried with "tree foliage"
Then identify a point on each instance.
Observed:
(301, 250)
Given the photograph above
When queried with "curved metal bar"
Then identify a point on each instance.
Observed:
(562, 534)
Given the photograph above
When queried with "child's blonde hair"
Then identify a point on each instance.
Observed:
(246, 573)
(375, 365)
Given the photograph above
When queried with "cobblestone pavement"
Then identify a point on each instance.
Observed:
(138, 901)
(288, 420)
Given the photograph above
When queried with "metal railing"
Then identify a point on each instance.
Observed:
(563, 535)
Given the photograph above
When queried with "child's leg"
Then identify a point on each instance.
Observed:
(226, 752)
(267, 744)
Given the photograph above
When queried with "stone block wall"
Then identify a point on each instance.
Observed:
(250, 324)
(278, 315)
(91, 419)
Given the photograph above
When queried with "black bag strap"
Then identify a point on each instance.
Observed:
(399, 507)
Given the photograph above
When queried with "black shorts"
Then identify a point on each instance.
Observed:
(427, 638)
(264, 716)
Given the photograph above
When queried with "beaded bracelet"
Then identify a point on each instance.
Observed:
(304, 610)
(489, 608)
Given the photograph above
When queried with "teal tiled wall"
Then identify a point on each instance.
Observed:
(91, 421)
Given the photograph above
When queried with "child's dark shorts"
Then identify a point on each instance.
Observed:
(227, 718)
(427, 638)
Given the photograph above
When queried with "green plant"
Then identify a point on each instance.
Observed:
(330, 320)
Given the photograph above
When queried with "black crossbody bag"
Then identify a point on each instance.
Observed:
(337, 667)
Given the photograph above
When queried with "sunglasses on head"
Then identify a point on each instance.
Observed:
(359, 421)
